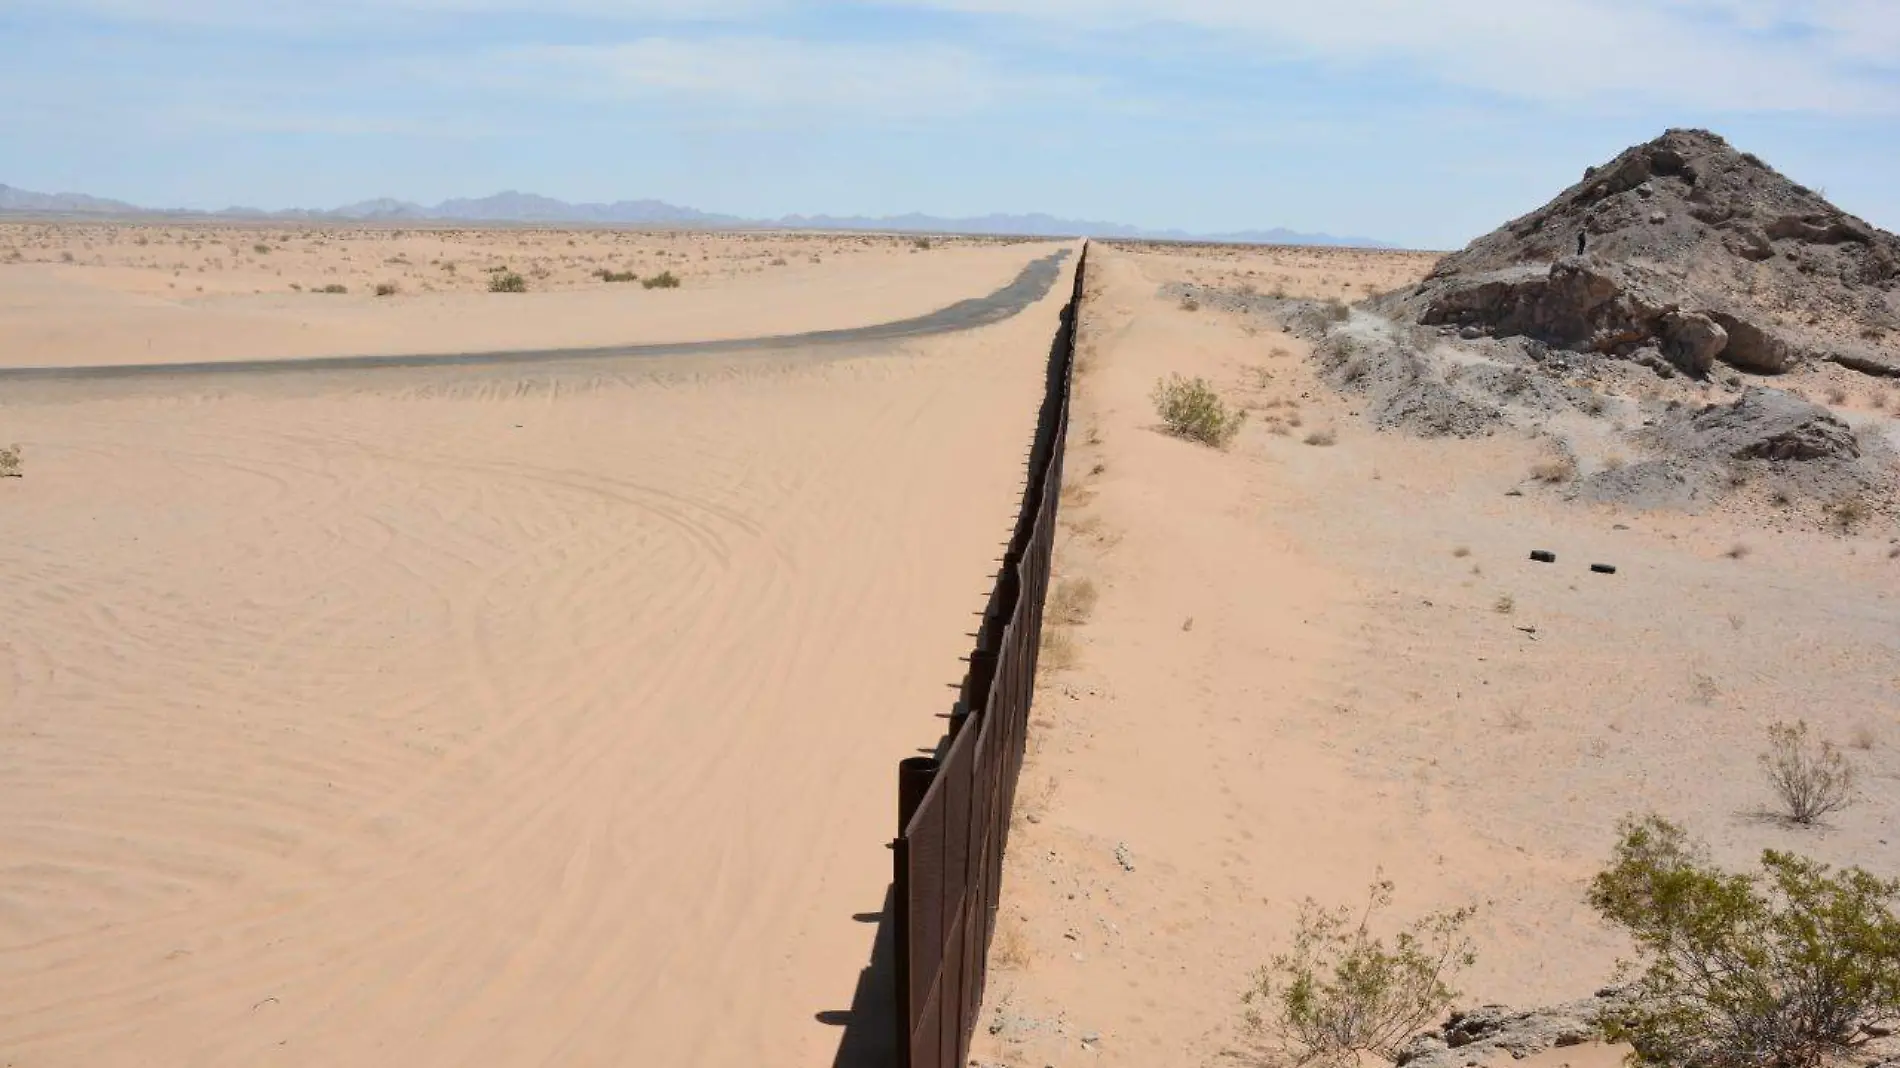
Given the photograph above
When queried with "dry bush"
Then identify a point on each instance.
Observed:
(1322, 437)
(506, 281)
(1190, 409)
(1555, 471)
(1010, 949)
(1737, 551)
(1848, 513)
(1811, 778)
(387, 289)
(334, 289)
(1505, 605)
(607, 275)
(1796, 966)
(1341, 991)
(10, 462)
(663, 280)
(1836, 395)
(1059, 652)
(1864, 737)
(1073, 601)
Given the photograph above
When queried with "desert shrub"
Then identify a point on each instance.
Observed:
(1334, 310)
(1811, 778)
(387, 289)
(922, 244)
(507, 282)
(1555, 471)
(261, 249)
(334, 289)
(1342, 991)
(607, 275)
(663, 280)
(1849, 513)
(1072, 601)
(1786, 968)
(10, 462)
(1190, 408)
(1322, 437)
(1189, 304)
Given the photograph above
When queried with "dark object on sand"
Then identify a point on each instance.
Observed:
(1543, 556)
(1603, 569)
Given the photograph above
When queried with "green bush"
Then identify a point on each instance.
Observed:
(1342, 991)
(1787, 968)
(663, 280)
(1190, 408)
(507, 282)
(1812, 779)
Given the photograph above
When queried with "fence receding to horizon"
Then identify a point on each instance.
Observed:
(954, 808)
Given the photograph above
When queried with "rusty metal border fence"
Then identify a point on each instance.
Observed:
(954, 808)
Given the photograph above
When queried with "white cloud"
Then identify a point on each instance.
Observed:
(768, 74)
(1743, 55)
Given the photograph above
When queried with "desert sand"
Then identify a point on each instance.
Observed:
(154, 293)
(1309, 662)
(499, 716)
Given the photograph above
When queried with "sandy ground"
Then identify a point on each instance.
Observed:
(78, 294)
(1311, 663)
(486, 716)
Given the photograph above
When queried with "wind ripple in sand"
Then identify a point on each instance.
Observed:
(471, 723)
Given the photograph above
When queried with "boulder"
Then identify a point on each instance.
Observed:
(1754, 348)
(1692, 340)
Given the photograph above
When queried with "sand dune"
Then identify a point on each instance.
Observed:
(196, 294)
(484, 716)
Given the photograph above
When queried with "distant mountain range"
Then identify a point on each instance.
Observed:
(513, 207)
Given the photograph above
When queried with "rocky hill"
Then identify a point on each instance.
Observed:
(1683, 249)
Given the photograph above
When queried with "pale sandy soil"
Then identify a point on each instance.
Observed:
(1309, 664)
(157, 293)
(485, 716)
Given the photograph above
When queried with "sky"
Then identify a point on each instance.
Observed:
(1423, 123)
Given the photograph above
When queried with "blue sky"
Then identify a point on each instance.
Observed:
(1424, 123)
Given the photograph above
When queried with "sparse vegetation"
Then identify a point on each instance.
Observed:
(1058, 649)
(1788, 968)
(387, 289)
(1189, 304)
(507, 282)
(663, 280)
(10, 462)
(1811, 778)
(921, 244)
(1504, 605)
(1190, 408)
(1554, 472)
(1072, 601)
(608, 275)
(1324, 437)
(334, 289)
(1341, 991)
(1848, 513)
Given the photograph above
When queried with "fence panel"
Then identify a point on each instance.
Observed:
(953, 812)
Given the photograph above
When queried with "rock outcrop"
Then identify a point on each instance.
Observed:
(1689, 248)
